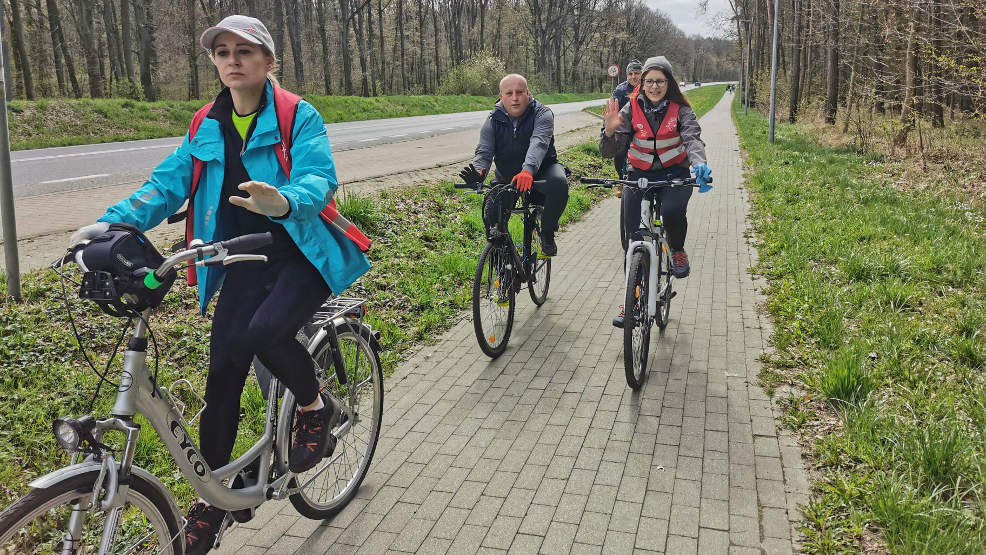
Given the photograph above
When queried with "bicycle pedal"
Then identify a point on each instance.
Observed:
(672, 295)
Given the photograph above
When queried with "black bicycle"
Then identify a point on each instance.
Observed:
(502, 270)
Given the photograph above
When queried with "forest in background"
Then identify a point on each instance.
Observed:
(148, 49)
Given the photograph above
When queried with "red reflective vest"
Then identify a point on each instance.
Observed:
(285, 107)
(666, 144)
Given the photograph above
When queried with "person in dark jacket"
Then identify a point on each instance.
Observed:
(519, 137)
(242, 190)
(663, 136)
(622, 95)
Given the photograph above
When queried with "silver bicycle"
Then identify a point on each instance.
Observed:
(104, 503)
(649, 281)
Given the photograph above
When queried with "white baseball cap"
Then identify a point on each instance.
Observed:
(249, 28)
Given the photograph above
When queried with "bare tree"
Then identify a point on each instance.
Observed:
(147, 52)
(20, 50)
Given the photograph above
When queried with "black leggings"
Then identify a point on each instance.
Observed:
(259, 311)
(674, 205)
(553, 195)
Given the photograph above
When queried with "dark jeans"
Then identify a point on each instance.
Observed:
(674, 204)
(259, 311)
(553, 195)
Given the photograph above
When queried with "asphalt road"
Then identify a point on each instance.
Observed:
(52, 170)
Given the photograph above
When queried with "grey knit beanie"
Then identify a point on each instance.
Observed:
(658, 62)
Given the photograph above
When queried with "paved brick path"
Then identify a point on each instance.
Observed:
(547, 449)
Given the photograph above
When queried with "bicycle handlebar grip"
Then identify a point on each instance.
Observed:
(464, 185)
(247, 243)
(592, 180)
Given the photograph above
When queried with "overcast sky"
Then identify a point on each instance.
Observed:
(683, 14)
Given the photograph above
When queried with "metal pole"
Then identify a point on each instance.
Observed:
(749, 58)
(7, 197)
(773, 71)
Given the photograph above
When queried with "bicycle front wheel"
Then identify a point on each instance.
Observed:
(40, 521)
(636, 321)
(493, 297)
(332, 483)
(540, 267)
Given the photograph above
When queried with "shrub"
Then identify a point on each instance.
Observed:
(479, 76)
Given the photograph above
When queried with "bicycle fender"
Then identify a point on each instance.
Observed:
(64, 473)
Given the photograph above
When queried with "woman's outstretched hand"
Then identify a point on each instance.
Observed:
(264, 199)
(611, 114)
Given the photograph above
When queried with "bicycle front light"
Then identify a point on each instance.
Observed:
(69, 432)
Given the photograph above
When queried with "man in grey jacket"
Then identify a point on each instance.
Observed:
(519, 136)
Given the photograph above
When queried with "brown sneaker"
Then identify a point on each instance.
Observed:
(679, 264)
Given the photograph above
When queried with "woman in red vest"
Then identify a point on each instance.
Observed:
(235, 169)
(664, 137)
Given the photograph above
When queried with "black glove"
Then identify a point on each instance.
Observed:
(471, 175)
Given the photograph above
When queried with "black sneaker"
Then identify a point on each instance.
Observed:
(548, 246)
(679, 264)
(312, 440)
(201, 528)
(618, 320)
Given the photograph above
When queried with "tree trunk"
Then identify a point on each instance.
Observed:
(57, 51)
(279, 36)
(832, 66)
(361, 47)
(400, 33)
(347, 55)
(796, 64)
(193, 50)
(297, 55)
(58, 41)
(937, 98)
(20, 49)
(126, 38)
(910, 71)
(381, 64)
(422, 78)
(88, 39)
(369, 39)
(38, 51)
(324, 39)
(147, 53)
(434, 25)
(113, 41)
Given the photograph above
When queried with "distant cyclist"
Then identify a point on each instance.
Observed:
(663, 135)
(519, 136)
(622, 94)
(243, 189)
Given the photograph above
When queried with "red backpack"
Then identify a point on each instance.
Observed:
(285, 106)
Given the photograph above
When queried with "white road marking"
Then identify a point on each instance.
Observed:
(91, 153)
(370, 139)
(75, 178)
(401, 135)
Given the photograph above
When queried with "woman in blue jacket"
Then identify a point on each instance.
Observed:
(242, 189)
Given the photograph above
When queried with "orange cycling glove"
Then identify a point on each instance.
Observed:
(523, 181)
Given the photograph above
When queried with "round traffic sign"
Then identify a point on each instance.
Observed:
(613, 70)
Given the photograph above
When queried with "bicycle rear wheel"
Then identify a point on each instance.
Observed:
(333, 482)
(38, 522)
(493, 298)
(540, 269)
(636, 322)
(664, 285)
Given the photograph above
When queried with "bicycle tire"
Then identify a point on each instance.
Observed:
(664, 286)
(540, 276)
(362, 360)
(43, 503)
(624, 236)
(494, 278)
(636, 323)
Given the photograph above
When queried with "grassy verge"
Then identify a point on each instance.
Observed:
(62, 122)
(426, 242)
(703, 99)
(877, 293)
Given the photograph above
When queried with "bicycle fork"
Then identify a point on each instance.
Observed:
(652, 280)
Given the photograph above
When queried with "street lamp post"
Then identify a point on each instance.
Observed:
(746, 68)
(7, 199)
(773, 71)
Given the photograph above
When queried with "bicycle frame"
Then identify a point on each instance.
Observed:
(647, 212)
(496, 234)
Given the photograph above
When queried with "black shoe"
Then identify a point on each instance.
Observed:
(312, 440)
(618, 320)
(679, 264)
(247, 477)
(548, 246)
(201, 528)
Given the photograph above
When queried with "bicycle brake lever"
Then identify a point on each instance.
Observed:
(232, 259)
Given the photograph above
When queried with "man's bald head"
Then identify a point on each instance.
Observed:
(514, 94)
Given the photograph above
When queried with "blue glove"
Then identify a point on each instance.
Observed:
(702, 174)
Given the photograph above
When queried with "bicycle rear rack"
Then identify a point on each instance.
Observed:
(335, 307)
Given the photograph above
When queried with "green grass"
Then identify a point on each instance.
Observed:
(703, 99)
(876, 293)
(64, 122)
(426, 242)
